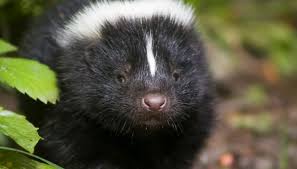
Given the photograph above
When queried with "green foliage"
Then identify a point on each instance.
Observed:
(16, 15)
(29, 77)
(195, 3)
(12, 158)
(19, 129)
(3, 2)
(39, 82)
(6, 47)
(263, 28)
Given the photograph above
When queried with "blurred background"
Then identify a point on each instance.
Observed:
(252, 50)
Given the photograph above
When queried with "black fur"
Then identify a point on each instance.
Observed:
(98, 122)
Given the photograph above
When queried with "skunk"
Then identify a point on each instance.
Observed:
(135, 90)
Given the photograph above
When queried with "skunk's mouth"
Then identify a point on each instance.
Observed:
(153, 122)
(151, 119)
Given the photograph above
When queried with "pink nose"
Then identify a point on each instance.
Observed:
(154, 102)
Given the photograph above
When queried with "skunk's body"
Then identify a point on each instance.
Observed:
(135, 89)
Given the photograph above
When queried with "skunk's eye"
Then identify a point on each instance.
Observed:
(121, 78)
(176, 76)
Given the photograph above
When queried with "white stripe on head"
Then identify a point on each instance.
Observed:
(88, 22)
(150, 55)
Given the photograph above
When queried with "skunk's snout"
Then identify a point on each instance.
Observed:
(154, 102)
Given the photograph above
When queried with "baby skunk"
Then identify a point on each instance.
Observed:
(135, 91)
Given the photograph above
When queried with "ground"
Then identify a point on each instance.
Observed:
(257, 125)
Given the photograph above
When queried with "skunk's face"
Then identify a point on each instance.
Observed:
(136, 76)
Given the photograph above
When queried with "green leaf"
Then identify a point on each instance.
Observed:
(9, 160)
(6, 47)
(30, 77)
(25, 157)
(19, 129)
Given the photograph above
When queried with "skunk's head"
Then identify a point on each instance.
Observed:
(134, 73)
